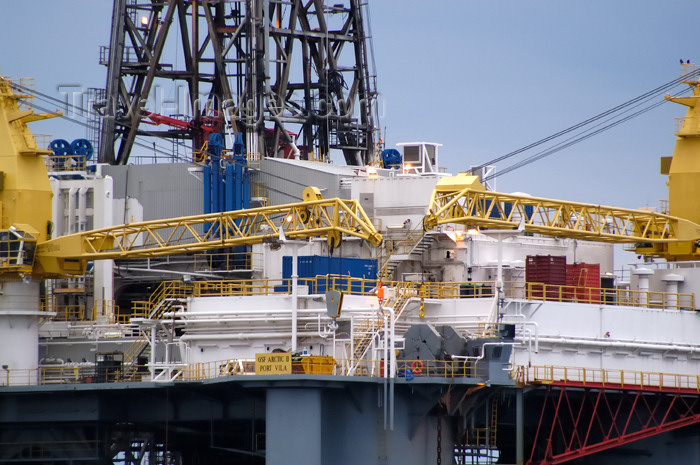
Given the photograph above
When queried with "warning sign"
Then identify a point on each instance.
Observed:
(273, 364)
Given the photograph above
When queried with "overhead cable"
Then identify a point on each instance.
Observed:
(623, 106)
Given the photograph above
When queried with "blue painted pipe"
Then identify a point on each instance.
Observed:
(230, 188)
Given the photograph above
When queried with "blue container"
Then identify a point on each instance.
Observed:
(309, 266)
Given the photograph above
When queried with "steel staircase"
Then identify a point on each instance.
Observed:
(167, 296)
(363, 334)
(408, 249)
(370, 328)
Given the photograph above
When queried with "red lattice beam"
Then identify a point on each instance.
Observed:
(578, 422)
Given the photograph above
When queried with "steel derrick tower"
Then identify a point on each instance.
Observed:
(294, 77)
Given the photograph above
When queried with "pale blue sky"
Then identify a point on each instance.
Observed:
(481, 77)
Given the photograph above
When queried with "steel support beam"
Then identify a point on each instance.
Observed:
(578, 422)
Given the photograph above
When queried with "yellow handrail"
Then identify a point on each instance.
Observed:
(606, 377)
(524, 375)
(426, 290)
(599, 295)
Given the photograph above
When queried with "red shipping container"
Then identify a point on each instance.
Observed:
(548, 270)
(583, 282)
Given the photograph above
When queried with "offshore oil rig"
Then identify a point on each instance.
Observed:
(238, 298)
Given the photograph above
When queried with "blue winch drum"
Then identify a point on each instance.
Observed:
(82, 147)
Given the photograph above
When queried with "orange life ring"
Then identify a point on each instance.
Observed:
(417, 367)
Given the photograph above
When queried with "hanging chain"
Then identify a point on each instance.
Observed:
(439, 441)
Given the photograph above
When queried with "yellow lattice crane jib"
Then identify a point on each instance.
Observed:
(25, 202)
(330, 218)
(675, 236)
(463, 200)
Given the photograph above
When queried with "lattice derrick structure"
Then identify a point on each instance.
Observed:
(575, 422)
(329, 218)
(333, 98)
(299, 66)
(137, 62)
(556, 218)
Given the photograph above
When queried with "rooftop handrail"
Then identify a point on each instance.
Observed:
(610, 296)
(426, 289)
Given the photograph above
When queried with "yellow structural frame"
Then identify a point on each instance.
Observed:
(463, 199)
(25, 215)
(329, 218)
(473, 206)
(25, 191)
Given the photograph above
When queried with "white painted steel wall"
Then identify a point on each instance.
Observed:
(19, 332)
(688, 271)
(606, 337)
(269, 261)
(84, 204)
(238, 327)
(396, 198)
(285, 179)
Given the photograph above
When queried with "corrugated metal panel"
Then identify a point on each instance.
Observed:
(545, 269)
(310, 266)
(583, 274)
(164, 190)
(584, 279)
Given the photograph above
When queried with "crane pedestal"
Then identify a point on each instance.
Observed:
(19, 332)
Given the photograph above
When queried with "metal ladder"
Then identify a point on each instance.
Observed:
(163, 299)
(370, 328)
(481, 442)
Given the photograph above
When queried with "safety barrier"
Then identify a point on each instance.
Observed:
(224, 261)
(682, 128)
(80, 373)
(66, 163)
(409, 369)
(69, 312)
(253, 160)
(606, 296)
(166, 290)
(315, 365)
(425, 290)
(312, 365)
(317, 285)
(37, 451)
(595, 377)
(105, 308)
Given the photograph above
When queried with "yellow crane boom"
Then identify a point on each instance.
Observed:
(463, 199)
(318, 217)
(25, 215)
